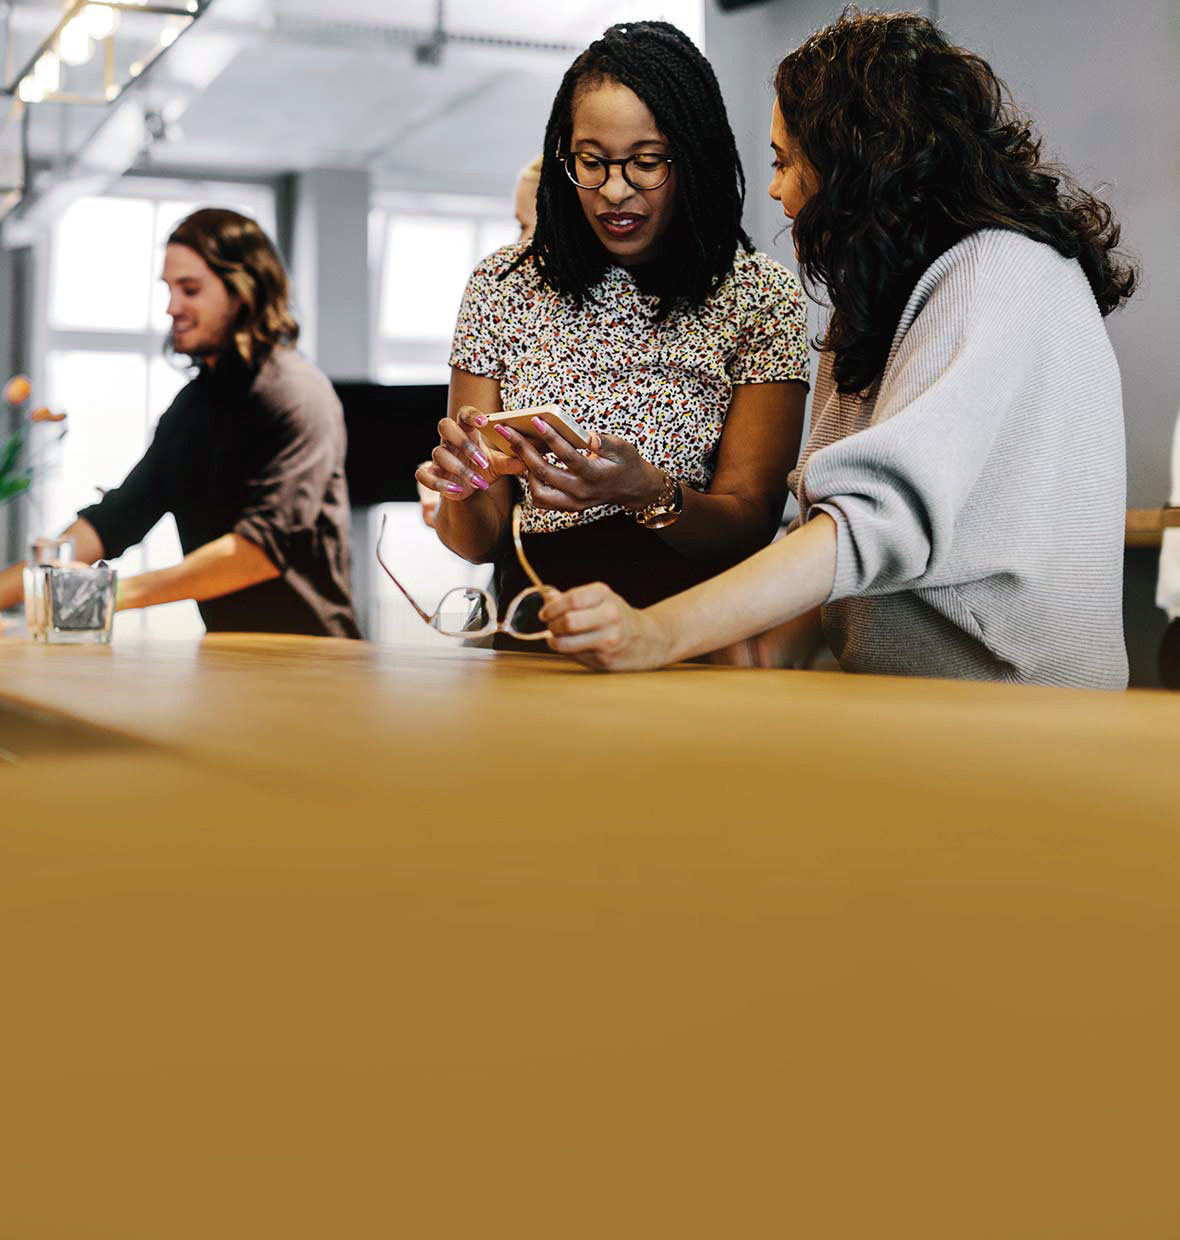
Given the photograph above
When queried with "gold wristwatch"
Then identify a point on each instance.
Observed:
(665, 508)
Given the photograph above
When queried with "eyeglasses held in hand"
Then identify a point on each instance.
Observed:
(645, 171)
(468, 611)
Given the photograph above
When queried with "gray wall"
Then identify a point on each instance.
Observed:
(1100, 81)
(330, 269)
(329, 227)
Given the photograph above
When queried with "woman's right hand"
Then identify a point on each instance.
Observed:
(463, 463)
(601, 630)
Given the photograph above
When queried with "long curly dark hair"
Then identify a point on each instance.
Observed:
(914, 144)
(241, 254)
(664, 68)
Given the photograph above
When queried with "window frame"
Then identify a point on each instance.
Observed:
(430, 354)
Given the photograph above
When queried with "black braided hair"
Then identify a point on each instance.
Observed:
(664, 68)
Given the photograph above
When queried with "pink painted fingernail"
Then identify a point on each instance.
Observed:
(480, 459)
(477, 481)
(480, 420)
(454, 490)
(503, 430)
(540, 425)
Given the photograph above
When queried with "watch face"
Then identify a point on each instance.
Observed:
(656, 517)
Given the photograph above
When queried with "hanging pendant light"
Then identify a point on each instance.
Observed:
(96, 49)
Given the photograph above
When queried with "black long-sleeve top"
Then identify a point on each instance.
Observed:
(260, 454)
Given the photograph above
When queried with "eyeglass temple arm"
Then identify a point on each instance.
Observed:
(520, 555)
(389, 572)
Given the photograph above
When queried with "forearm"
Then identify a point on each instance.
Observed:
(741, 511)
(476, 527)
(721, 527)
(223, 566)
(782, 581)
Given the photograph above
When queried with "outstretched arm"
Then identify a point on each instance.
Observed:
(223, 566)
(784, 580)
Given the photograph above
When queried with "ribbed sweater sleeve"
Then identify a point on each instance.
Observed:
(978, 491)
(896, 489)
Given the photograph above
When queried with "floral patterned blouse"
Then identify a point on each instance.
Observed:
(666, 387)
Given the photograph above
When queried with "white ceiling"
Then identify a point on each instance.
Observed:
(272, 86)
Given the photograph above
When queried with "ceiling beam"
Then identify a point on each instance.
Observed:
(300, 31)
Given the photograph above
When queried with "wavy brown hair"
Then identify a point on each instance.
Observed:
(915, 144)
(242, 256)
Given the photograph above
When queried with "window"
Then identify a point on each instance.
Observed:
(422, 248)
(106, 315)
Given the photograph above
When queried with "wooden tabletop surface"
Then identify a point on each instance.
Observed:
(317, 938)
(1145, 526)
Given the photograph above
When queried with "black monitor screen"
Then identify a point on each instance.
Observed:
(392, 429)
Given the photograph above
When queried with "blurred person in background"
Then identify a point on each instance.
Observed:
(525, 200)
(249, 457)
(639, 308)
(962, 493)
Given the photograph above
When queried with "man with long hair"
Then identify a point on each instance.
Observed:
(249, 457)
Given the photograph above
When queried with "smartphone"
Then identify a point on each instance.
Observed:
(565, 424)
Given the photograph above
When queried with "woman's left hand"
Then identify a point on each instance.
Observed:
(601, 630)
(612, 473)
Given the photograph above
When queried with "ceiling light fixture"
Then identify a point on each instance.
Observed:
(75, 44)
(65, 65)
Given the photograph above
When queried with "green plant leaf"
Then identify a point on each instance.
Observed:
(9, 455)
(12, 487)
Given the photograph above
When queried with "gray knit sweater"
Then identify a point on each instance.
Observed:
(979, 492)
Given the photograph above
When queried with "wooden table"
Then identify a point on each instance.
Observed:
(1145, 526)
(319, 939)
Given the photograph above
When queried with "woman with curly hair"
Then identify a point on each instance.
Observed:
(962, 491)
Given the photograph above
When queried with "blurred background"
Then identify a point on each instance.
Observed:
(379, 141)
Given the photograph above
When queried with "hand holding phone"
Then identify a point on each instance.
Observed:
(521, 420)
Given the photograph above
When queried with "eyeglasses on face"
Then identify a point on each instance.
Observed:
(589, 171)
(469, 612)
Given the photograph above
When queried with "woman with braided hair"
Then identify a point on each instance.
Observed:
(639, 309)
(962, 491)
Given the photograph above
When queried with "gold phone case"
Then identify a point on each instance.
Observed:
(522, 420)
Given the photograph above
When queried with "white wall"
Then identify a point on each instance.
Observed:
(1101, 83)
